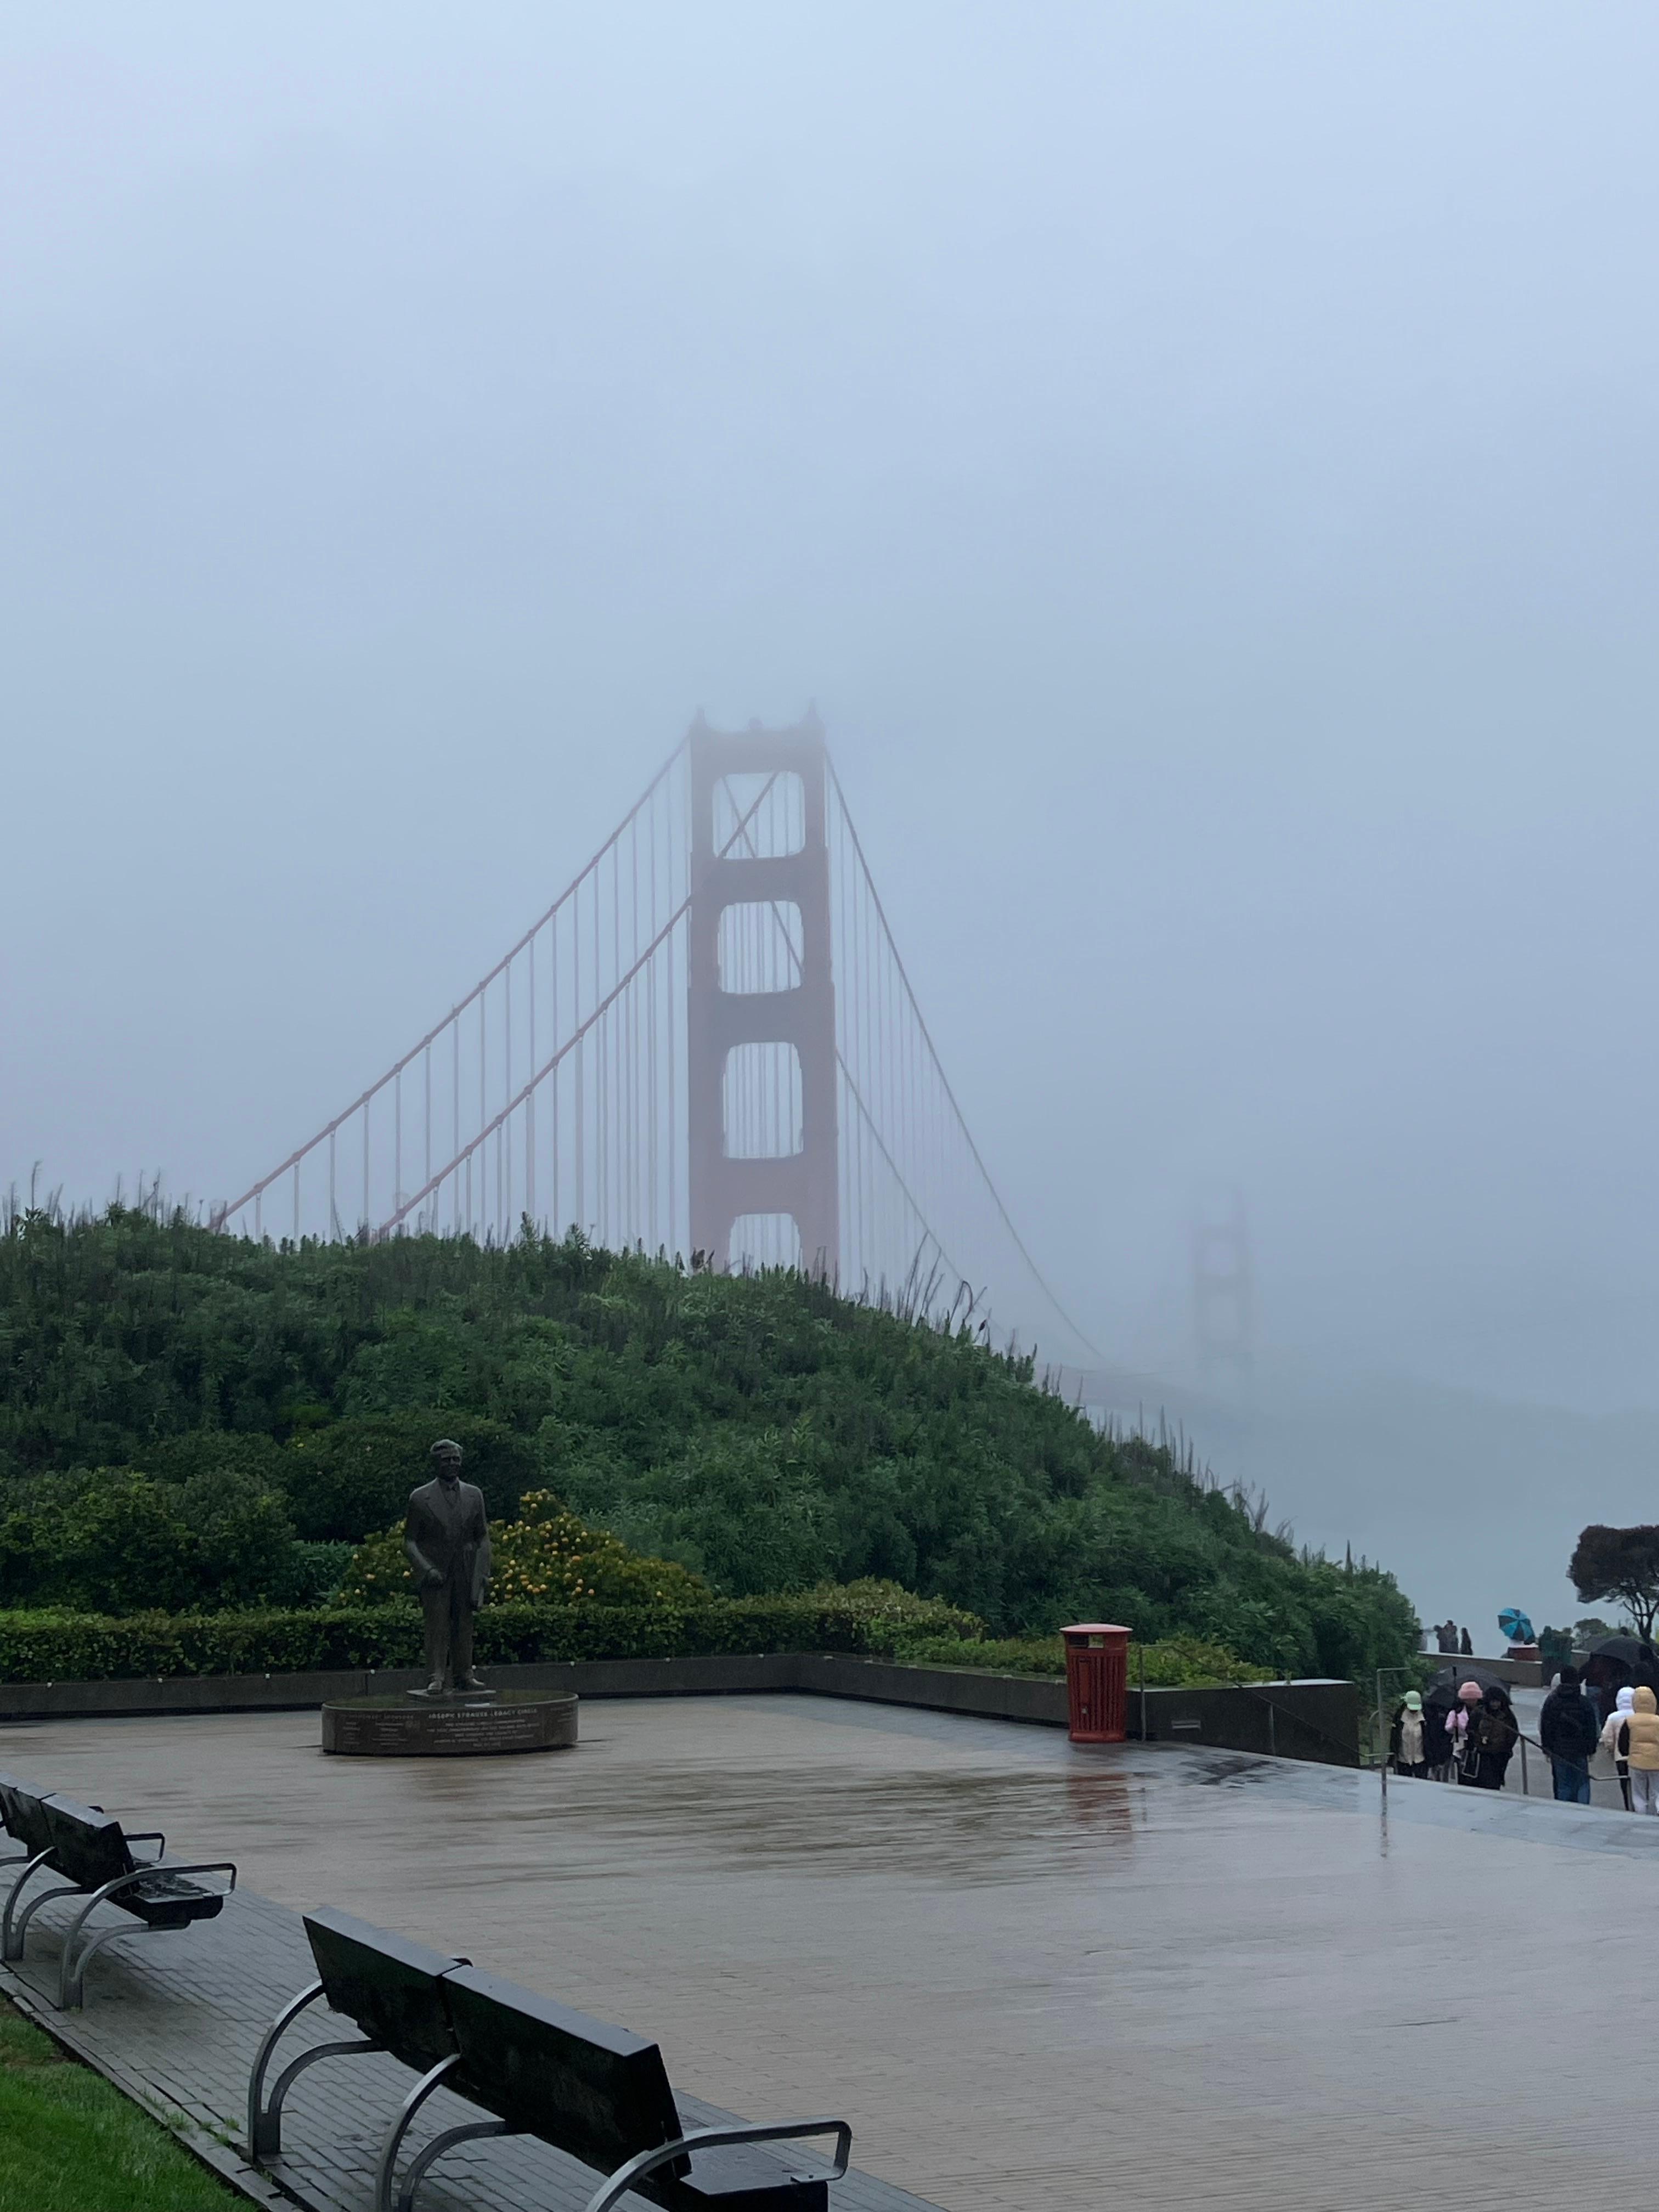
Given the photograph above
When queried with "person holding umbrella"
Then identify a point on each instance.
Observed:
(1568, 1732)
(1459, 1726)
(1491, 1740)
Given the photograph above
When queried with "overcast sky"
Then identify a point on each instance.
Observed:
(1199, 460)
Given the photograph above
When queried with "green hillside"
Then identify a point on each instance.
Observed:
(764, 1431)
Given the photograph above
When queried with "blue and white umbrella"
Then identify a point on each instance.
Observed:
(1515, 1625)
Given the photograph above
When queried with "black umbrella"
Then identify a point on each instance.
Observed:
(1622, 1660)
(1629, 1651)
(1446, 1686)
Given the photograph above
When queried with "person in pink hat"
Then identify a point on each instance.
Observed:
(1457, 1726)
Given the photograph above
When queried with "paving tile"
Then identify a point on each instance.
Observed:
(1030, 1975)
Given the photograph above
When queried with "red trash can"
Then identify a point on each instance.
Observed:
(1096, 1681)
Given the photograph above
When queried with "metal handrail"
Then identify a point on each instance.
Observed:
(613, 2190)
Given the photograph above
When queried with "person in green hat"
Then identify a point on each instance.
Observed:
(1408, 1749)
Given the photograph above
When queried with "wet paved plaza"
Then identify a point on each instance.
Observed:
(1031, 1976)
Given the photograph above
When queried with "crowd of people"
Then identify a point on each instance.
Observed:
(1473, 1739)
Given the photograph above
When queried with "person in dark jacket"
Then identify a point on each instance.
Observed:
(1492, 1736)
(1567, 1729)
(1466, 1648)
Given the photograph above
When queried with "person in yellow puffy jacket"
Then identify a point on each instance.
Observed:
(1644, 1753)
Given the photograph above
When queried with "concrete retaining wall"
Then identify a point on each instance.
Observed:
(1315, 1720)
(1519, 1673)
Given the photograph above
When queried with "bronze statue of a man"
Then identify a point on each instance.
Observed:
(447, 1537)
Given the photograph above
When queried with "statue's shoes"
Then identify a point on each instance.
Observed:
(470, 1682)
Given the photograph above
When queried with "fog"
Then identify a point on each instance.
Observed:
(1201, 461)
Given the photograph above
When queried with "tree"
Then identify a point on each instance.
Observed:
(1622, 1564)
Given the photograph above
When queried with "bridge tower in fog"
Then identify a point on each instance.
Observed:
(708, 1044)
(762, 1124)
(1223, 1302)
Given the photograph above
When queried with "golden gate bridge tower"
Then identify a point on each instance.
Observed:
(707, 1046)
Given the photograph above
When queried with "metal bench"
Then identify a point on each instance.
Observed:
(89, 1848)
(12, 1858)
(24, 1822)
(390, 1988)
(23, 1810)
(595, 2092)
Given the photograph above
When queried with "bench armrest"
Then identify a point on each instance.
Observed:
(143, 1873)
(613, 2190)
(207, 1866)
(150, 1836)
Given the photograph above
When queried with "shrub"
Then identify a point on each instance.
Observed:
(1172, 1663)
(546, 1557)
(62, 1646)
(354, 1475)
(113, 1540)
(315, 1573)
(764, 1432)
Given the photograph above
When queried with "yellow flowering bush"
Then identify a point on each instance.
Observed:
(546, 1557)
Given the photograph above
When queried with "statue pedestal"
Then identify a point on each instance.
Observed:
(466, 1726)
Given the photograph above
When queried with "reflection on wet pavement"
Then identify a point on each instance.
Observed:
(1033, 1975)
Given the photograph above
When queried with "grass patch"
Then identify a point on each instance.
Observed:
(1173, 1663)
(72, 2142)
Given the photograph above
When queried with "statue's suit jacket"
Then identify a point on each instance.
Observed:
(452, 1535)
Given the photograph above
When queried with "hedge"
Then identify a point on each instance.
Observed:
(1169, 1663)
(68, 1646)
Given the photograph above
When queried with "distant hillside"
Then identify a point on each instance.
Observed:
(764, 1432)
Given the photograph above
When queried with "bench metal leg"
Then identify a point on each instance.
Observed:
(264, 2120)
(435, 2149)
(71, 1989)
(12, 1896)
(271, 2120)
(16, 1931)
(433, 2079)
(612, 2191)
(69, 1974)
(257, 2147)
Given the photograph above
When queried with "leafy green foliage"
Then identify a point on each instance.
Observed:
(1177, 1663)
(42, 1646)
(763, 1432)
(354, 1475)
(546, 1557)
(1622, 1564)
(115, 1540)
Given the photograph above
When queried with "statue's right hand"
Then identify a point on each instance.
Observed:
(432, 1579)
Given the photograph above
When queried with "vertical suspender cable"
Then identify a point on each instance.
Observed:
(633, 999)
(556, 1220)
(503, 1150)
(656, 1239)
(530, 1102)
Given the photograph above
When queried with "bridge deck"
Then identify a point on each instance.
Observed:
(1029, 1975)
